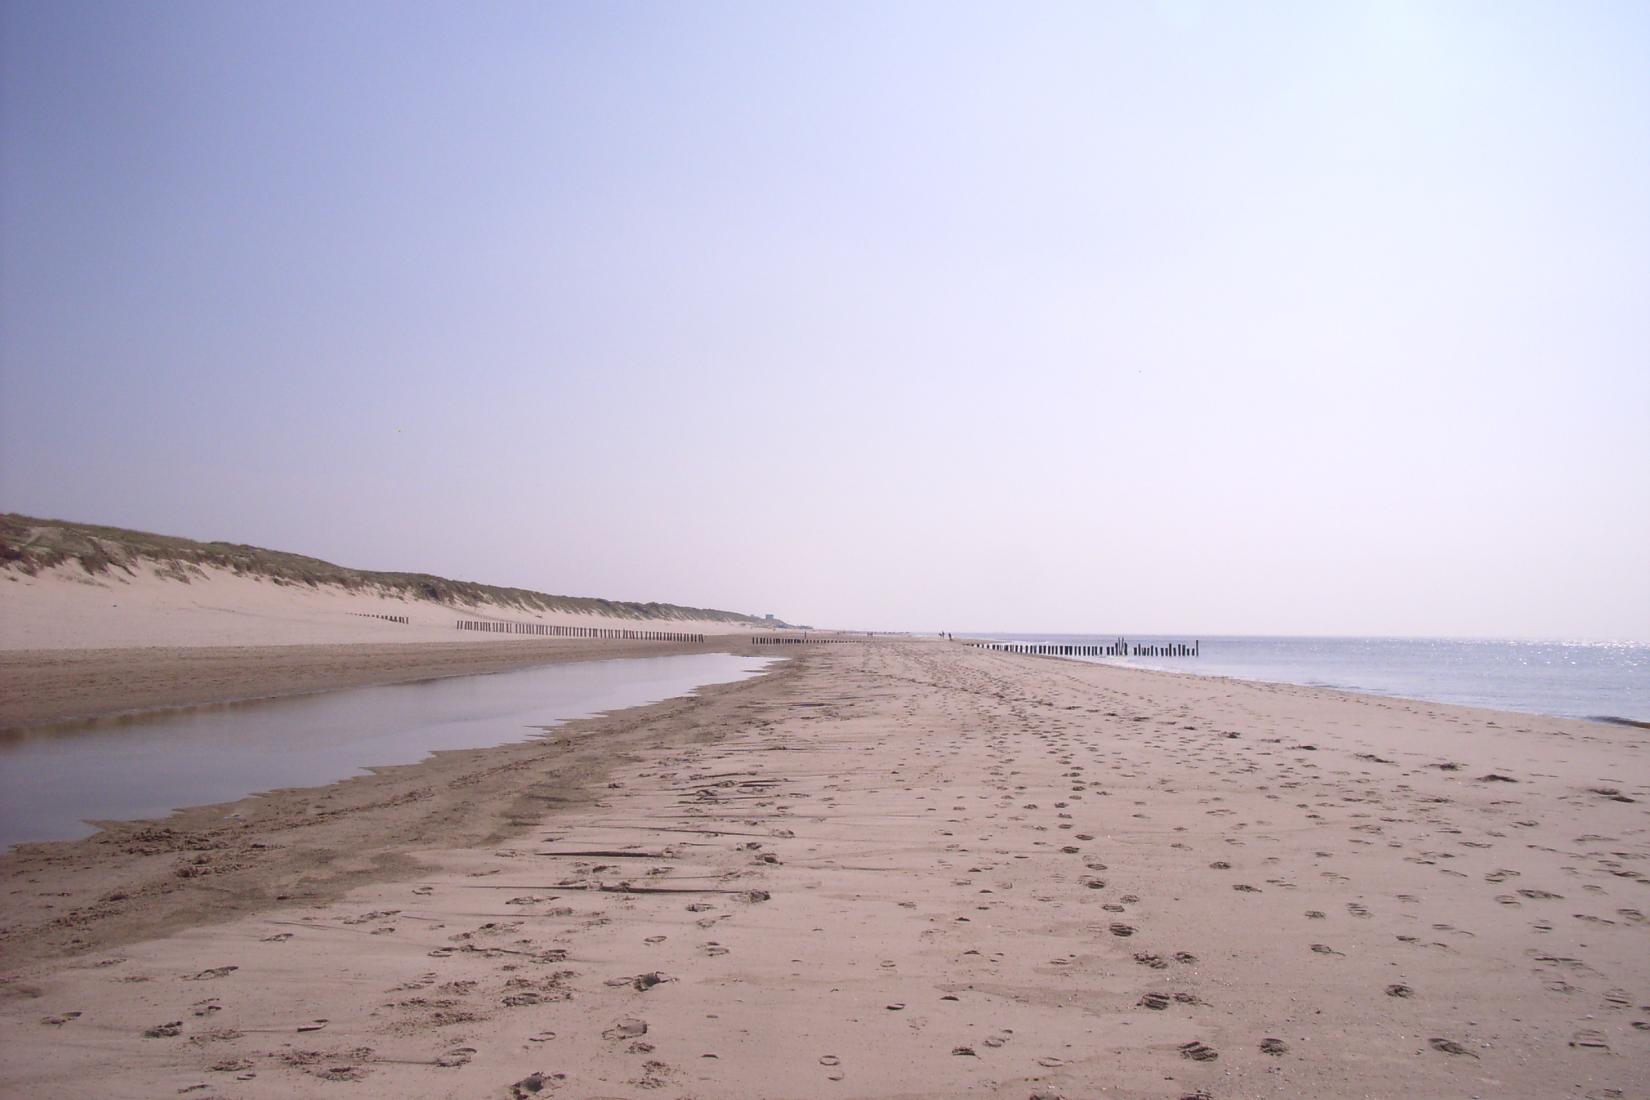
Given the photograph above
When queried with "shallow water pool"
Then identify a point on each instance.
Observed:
(53, 781)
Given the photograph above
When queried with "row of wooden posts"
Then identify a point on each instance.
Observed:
(374, 615)
(551, 630)
(1120, 648)
(758, 639)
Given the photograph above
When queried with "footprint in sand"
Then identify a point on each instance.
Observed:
(626, 1029)
(535, 1083)
(1588, 1039)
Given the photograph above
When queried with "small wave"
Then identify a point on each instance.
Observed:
(1615, 721)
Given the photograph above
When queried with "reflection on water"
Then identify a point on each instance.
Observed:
(53, 782)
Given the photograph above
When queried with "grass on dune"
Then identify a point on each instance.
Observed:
(29, 545)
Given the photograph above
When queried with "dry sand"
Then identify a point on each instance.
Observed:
(883, 869)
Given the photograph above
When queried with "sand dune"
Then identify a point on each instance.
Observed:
(886, 869)
(66, 608)
(81, 586)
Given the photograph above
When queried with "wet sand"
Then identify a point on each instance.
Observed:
(46, 686)
(883, 869)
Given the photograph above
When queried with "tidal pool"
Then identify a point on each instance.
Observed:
(55, 780)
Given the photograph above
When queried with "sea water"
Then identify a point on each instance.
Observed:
(1599, 680)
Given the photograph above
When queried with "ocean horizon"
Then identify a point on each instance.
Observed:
(1597, 680)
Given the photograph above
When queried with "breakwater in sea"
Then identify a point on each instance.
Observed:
(758, 639)
(1122, 647)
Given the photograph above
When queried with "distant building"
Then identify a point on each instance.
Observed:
(769, 616)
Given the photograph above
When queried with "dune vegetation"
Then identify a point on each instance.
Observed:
(30, 545)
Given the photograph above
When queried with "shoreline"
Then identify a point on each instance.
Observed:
(1191, 669)
(40, 688)
(882, 868)
(1113, 662)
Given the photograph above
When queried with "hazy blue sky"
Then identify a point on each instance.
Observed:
(1265, 317)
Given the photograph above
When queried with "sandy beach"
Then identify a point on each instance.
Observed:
(903, 552)
(893, 868)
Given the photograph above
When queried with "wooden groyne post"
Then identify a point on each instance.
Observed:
(1122, 647)
(769, 639)
(554, 630)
